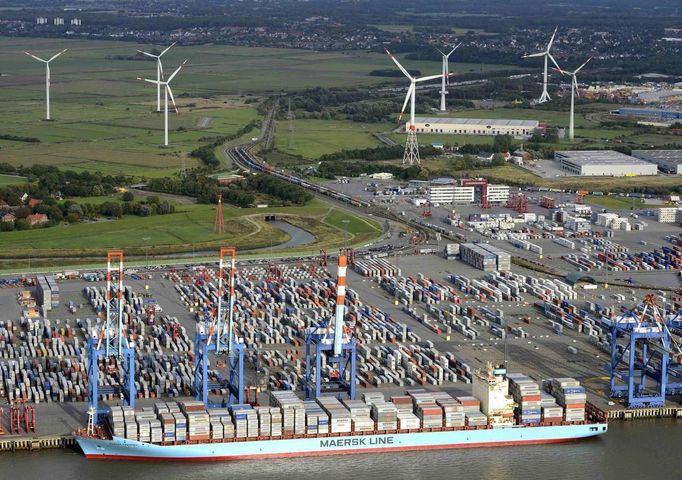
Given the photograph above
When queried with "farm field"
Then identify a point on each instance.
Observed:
(6, 180)
(103, 118)
(313, 138)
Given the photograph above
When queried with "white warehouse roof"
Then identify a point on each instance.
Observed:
(598, 157)
(478, 121)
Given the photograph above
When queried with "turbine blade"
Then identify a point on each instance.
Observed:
(55, 56)
(168, 48)
(161, 69)
(35, 57)
(176, 72)
(149, 80)
(581, 66)
(407, 99)
(440, 51)
(455, 48)
(553, 61)
(533, 55)
(575, 86)
(430, 77)
(148, 54)
(170, 94)
(402, 69)
(549, 45)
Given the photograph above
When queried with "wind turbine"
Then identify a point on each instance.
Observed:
(545, 96)
(411, 155)
(159, 73)
(47, 77)
(574, 92)
(446, 78)
(168, 92)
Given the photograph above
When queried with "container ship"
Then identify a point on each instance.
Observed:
(504, 409)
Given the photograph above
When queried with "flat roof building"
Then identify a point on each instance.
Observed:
(603, 163)
(669, 161)
(475, 126)
(657, 113)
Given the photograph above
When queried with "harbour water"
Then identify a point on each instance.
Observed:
(635, 449)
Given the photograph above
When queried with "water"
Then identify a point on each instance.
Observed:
(637, 449)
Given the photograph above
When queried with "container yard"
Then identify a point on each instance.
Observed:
(416, 326)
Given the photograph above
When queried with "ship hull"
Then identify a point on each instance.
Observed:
(120, 448)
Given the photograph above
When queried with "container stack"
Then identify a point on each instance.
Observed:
(359, 415)
(215, 417)
(407, 420)
(240, 418)
(472, 411)
(526, 394)
(552, 414)
(198, 426)
(570, 395)
(180, 426)
(317, 421)
(430, 415)
(385, 415)
(453, 411)
(292, 410)
(339, 416)
(116, 423)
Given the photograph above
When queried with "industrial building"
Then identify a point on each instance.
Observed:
(498, 193)
(461, 195)
(476, 126)
(603, 163)
(655, 113)
(669, 161)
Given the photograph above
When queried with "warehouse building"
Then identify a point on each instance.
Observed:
(669, 161)
(655, 113)
(603, 163)
(475, 126)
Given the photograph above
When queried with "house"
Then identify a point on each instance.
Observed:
(3, 205)
(34, 202)
(8, 218)
(37, 219)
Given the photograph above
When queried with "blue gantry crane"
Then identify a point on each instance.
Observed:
(213, 334)
(332, 340)
(648, 365)
(107, 340)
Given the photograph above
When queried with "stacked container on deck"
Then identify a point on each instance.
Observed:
(526, 393)
(339, 416)
(570, 395)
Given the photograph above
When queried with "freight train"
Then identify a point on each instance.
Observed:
(242, 156)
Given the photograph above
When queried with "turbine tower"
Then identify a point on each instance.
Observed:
(47, 78)
(159, 73)
(446, 76)
(168, 92)
(545, 96)
(411, 155)
(574, 92)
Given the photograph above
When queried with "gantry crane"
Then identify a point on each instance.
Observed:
(213, 334)
(107, 340)
(332, 340)
(651, 352)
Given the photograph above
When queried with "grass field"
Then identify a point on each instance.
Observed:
(11, 180)
(615, 202)
(313, 138)
(189, 229)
